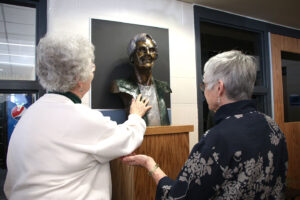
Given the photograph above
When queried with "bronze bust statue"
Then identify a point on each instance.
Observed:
(142, 51)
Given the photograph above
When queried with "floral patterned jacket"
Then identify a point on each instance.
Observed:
(244, 156)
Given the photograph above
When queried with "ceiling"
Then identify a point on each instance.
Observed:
(17, 42)
(285, 13)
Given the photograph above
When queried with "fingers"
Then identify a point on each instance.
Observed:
(129, 160)
(142, 99)
(148, 108)
(131, 154)
(147, 101)
(139, 97)
(139, 106)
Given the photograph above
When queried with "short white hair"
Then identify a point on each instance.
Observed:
(63, 60)
(236, 70)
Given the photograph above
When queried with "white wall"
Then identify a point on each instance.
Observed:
(178, 17)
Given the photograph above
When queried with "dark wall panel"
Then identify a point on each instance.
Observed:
(110, 40)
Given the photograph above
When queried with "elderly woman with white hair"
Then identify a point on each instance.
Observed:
(60, 149)
(244, 156)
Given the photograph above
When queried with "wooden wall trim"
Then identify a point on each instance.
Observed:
(277, 75)
(160, 130)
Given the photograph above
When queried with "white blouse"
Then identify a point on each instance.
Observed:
(61, 150)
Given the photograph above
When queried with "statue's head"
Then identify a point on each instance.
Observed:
(142, 50)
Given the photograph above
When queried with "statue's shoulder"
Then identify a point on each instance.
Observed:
(124, 85)
(163, 86)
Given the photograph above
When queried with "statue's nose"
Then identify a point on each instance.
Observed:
(147, 51)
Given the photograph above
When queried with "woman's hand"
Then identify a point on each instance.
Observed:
(139, 106)
(140, 160)
(146, 162)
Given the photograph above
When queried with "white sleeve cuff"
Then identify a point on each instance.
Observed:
(136, 117)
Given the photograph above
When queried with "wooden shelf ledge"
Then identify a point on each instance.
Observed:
(160, 130)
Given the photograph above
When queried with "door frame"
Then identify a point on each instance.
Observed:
(279, 43)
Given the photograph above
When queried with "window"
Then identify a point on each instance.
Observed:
(216, 38)
(22, 24)
(291, 86)
(217, 32)
(17, 42)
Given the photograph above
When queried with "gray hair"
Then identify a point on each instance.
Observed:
(139, 37)
(236, 70)
(63, 60)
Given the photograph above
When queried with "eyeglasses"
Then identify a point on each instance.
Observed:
(202, 86)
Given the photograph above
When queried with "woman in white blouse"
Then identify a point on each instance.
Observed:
(60, 149)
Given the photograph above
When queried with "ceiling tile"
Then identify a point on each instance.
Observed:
(21, 50)
(24, 29)
(2, 29)
(3, 48)
(21, 39)
(25, 60)
(4, 58)
(1, 13)
(2, 38)
(19, 14)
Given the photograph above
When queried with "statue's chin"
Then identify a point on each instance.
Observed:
(145, 66)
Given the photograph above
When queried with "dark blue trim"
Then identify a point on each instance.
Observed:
(202, 14)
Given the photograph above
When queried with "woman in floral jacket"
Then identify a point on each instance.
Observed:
(244, 156)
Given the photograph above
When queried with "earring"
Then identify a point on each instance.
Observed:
(218, 100)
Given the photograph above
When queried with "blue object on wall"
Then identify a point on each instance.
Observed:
(16, 106)
(294, 100)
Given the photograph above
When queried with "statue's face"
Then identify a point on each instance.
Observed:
(145, 54)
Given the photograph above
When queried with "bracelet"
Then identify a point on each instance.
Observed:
(153, 170)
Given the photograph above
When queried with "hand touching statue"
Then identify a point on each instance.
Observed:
(139, 106)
